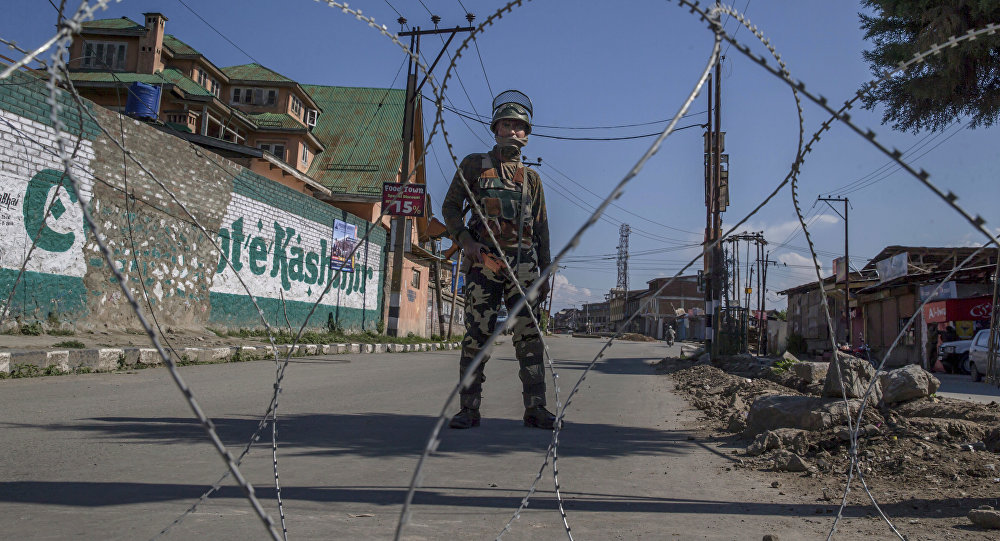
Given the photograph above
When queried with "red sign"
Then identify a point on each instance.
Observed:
(400, 199)
(971, 309)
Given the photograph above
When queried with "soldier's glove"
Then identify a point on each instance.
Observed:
(474, 250)
(543, 291)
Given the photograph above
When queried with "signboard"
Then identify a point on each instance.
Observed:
(971, 309)
(892, 267)
(948, 291)
(840, 270)
(400, 199)
(345, 238)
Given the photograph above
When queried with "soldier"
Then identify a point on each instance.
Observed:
(502, 187)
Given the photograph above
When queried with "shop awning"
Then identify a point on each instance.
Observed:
(970, 309)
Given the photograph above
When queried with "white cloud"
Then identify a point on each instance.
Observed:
(775, 233)
(566, 294)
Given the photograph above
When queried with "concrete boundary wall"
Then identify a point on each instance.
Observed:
(276, 238)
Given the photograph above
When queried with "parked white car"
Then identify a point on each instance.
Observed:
(978, 352)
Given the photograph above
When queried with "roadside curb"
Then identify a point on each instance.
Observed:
(37, 362)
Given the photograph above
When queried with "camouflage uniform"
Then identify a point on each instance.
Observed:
(496, 184)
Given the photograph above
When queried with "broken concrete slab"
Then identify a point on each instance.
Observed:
(803, 412)
(810, 372)
(907, 383)
(985, 517)
(850, 375)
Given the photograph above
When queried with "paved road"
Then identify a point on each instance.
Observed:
(962, 386)
(118, 456)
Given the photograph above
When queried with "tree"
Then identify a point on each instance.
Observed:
(961, 81)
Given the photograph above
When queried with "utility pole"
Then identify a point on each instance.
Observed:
(399, 223)
(847, 263)
(716, 199)
(763, 296)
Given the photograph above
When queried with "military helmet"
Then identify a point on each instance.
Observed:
(511, 104)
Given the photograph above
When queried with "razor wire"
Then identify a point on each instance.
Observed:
(62, 40)
(841, 115)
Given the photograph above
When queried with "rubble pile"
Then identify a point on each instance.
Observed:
(636, 337)
(910, 443)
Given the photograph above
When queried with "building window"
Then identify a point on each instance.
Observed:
(311, 115)
(255, 96)
(415, 280)
(278, 149)
(104, 55)
(296, 105)
(305, 154)
(209, 83)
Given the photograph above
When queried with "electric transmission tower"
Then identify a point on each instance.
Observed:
(623, 233)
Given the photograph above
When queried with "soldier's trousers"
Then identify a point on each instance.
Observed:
(484, 291)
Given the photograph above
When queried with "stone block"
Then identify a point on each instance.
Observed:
(310, 349)
(368, 348)
(214, 355)
(5, 362)
(379, 348)
(325, 349)
(809, 371)
(354, 348)
(99, 359)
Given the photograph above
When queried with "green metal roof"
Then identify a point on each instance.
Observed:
(275, 120)
(178, 46)
(255, 72)
(362, 131)
(169, 75)
(122, 23)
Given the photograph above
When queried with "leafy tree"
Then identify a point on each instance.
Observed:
(960, 81)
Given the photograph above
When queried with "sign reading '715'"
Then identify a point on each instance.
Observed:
(400, 199)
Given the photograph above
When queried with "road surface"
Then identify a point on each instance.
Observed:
(119, 456)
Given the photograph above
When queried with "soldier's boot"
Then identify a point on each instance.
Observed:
(539, 417)
(535, 414)
(468, 416)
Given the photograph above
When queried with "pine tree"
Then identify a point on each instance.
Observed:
(961, 81)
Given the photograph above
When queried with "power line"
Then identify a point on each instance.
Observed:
(616, 205)
(216, 30)
(477, 118)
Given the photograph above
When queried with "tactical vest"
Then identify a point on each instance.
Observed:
(502, 205)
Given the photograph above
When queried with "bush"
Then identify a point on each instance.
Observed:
(796, 344)
(32, 329)
(76, 344)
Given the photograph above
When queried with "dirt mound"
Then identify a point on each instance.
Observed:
(907, 451)
(636, 337)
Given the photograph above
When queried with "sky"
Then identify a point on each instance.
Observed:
(606, 70)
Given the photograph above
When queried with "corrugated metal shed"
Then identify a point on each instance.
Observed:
(362, 131)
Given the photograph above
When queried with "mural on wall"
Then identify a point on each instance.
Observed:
(39, 206)
(281, 255)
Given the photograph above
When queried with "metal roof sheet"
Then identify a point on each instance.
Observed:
(362, 131)
(169, 76)
(178, 46)
(275, 120)
(254, 72)
(121, 23)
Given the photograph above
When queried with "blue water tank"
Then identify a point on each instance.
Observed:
(143, 101)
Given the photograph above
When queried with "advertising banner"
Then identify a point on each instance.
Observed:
(400, 199)
(345, 238)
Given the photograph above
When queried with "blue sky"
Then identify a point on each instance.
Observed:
(589, 64)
